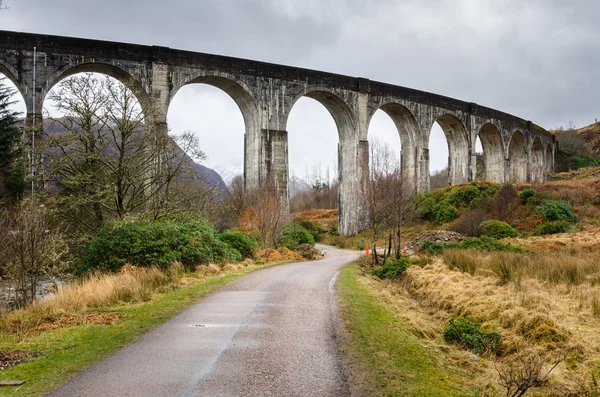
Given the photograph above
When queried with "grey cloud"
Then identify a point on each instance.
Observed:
(537, 59)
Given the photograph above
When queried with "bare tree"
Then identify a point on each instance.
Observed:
(389, 199)
(263, 214)
(29, 251)
(106, 163)
(525, 371)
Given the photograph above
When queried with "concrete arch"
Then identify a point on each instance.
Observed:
(517, 157)
(237, 90)
(536, 161)
(10, 74)
(106, 69)
(243, 98)
(458, 148)
(336, 106)
(493, 153)
(405, 121)
(408, 130)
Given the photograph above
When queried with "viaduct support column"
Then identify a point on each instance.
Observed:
(409, 167)
(353, 164)
(274, 162)
(423, 170)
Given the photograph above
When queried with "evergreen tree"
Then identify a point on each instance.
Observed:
(11, 159)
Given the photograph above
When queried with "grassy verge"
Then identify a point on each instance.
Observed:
(385, 358)
(67, 351)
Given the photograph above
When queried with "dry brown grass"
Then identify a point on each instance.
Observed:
(540, 301)
(68, 307)
(313, 215)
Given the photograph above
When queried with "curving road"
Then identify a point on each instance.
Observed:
(271, 333)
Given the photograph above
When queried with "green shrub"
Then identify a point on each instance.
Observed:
(554, 210)
(480, 244)
(466, 196)
(425, 204)
(239, 241)
(393, 268)
(361, 244)
(294, 235)
(471, 336)
(553, 227)
(498, 229)
(525, 195)
(311, 227)
(538, 198)
(156, 243)
(444, 212)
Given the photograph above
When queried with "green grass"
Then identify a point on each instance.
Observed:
(68, 351)
(387, 359)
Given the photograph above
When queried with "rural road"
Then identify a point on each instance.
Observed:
(271, 333)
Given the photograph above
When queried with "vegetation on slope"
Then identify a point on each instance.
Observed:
(385, 358)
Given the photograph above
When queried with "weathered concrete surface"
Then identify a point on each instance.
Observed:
(266, 94)
(271, 333)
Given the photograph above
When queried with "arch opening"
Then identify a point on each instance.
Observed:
(457, 146)
(215, 118)
(493, 153)
(392, 126)
(517, 155)
(112, 71)
(313, 141)
(342, 116)
(438, 158)
(536, 165)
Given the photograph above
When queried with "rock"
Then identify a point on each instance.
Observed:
(443, 236)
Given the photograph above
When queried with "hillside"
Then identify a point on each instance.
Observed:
(589, 134)
(210, 177)
(473, 317)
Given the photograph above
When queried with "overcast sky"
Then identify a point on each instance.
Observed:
(538, 59)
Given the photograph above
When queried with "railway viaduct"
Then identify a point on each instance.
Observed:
(515, 150)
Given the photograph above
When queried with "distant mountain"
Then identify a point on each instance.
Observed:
(298, 185)
(230, 170)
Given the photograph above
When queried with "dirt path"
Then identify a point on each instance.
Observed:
(271, 333)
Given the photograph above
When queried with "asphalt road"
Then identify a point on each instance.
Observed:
(271, 333)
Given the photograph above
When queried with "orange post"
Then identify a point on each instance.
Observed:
(367, 250)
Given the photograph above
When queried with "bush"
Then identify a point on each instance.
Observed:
(239, 241)
(444, 212)
(391, 269)
(425, 204)
(361, 244)
(498, 229)
(554, 227)
(311, 227)
(554, 210)
(294, 235)
(156, 243)
(525, 195)
(480, 244)
(467, 195)
(505, 202)
(469, 223)
(538, 198)
(471, 336)
(596, 199)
